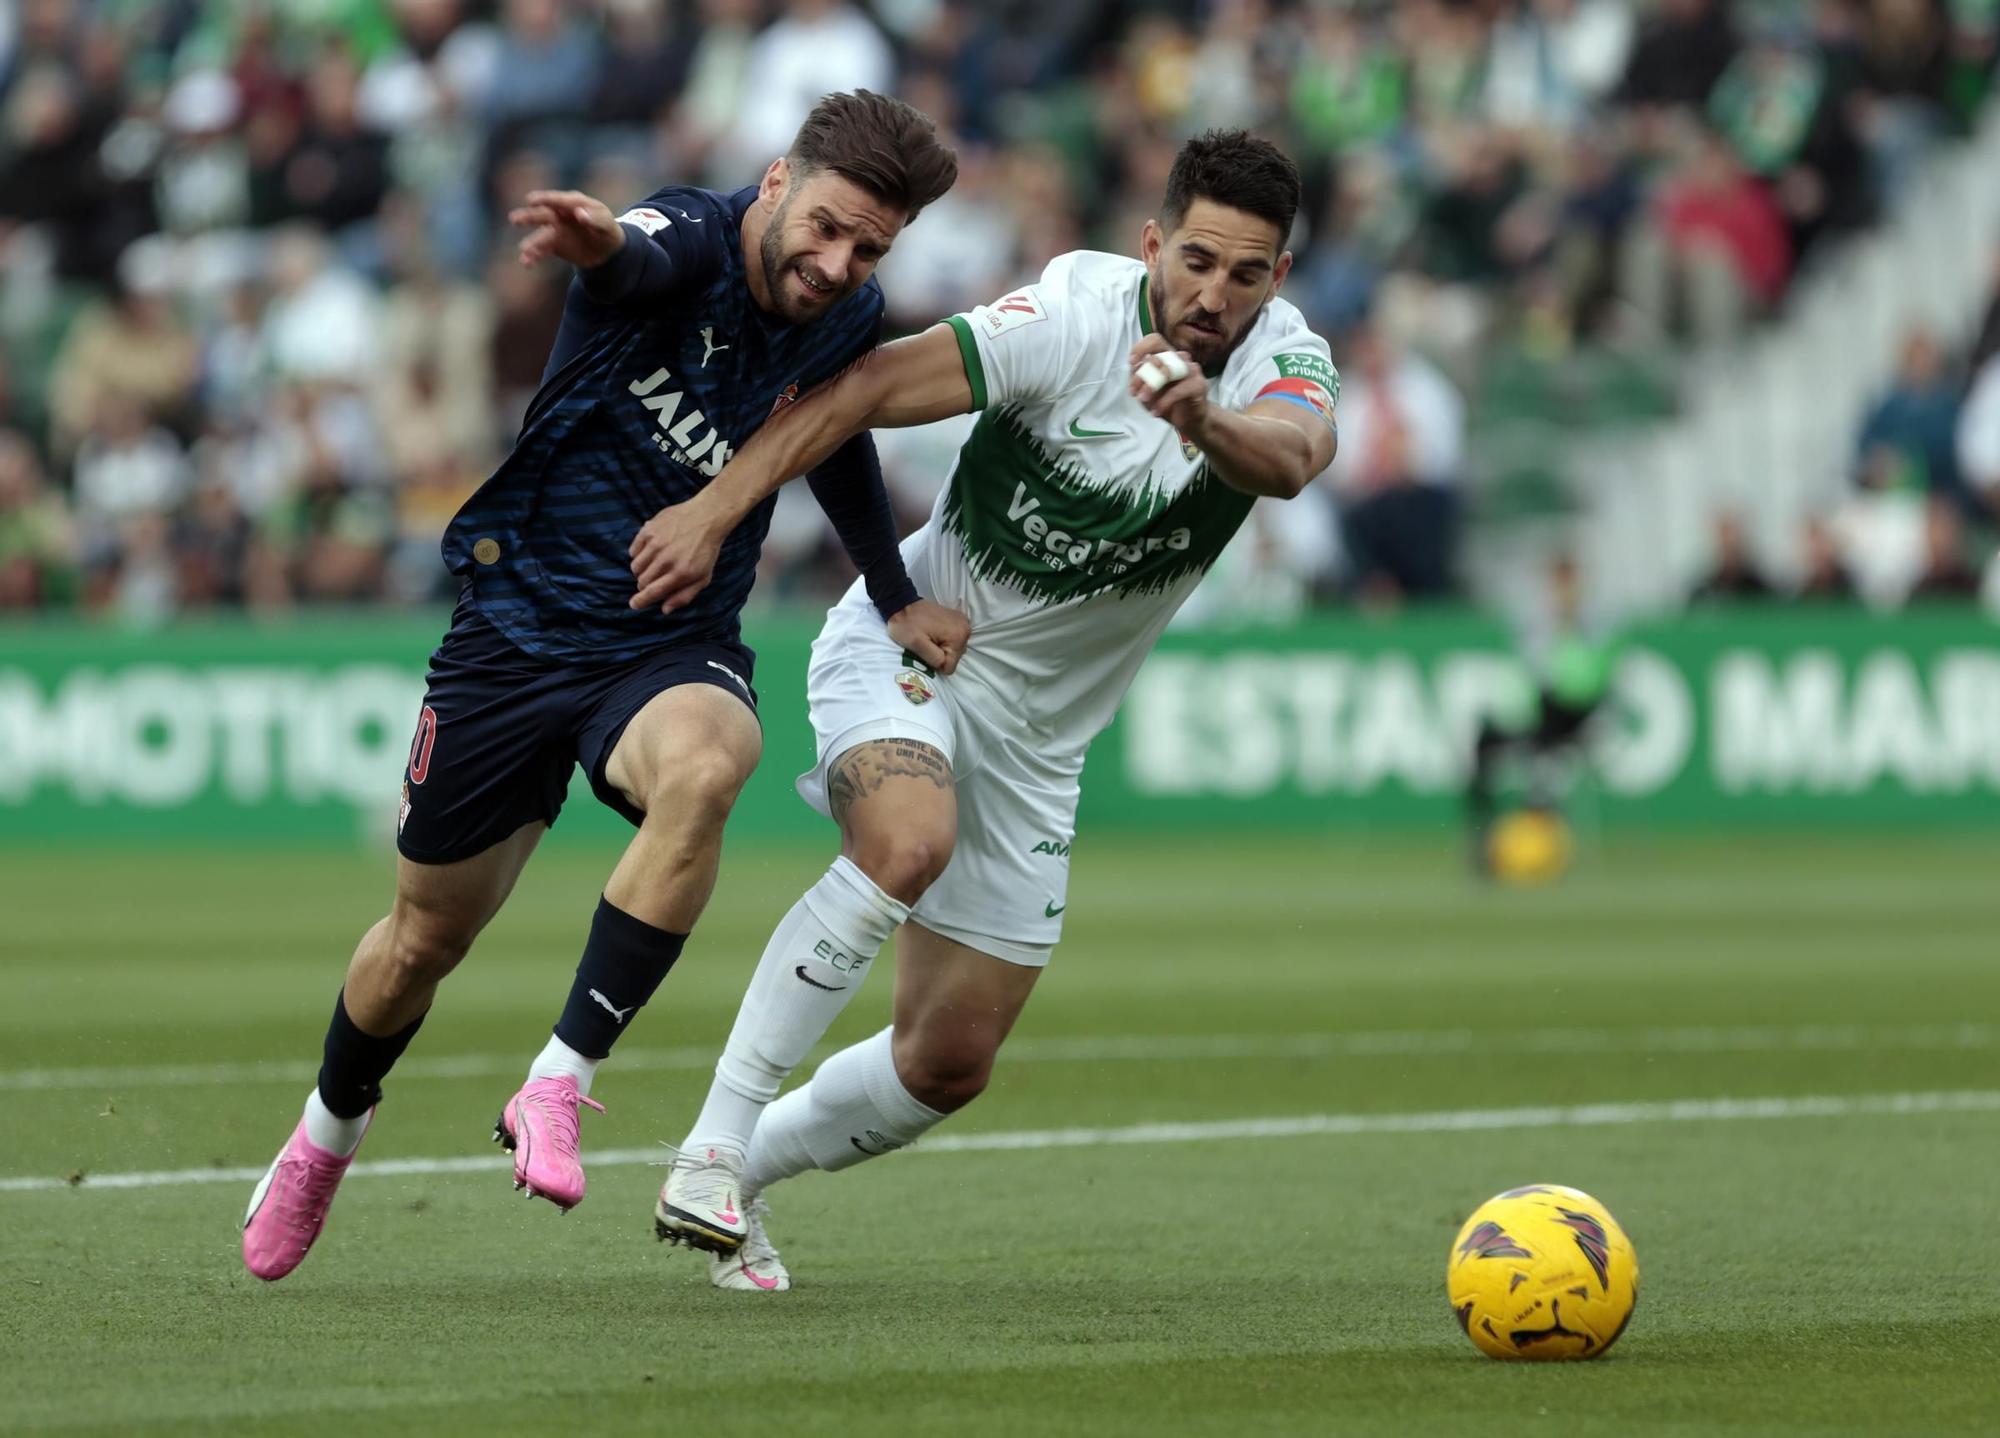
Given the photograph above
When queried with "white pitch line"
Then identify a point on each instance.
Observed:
(1380, 1043)
(1600, 1115)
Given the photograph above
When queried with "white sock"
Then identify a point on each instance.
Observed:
(855, 1108)
(558, 1058)
(328, 1130)
(816, 960)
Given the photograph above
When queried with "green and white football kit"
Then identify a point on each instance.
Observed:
(1074, 524)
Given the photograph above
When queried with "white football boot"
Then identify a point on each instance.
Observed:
(701, 1205)
(755, 1266)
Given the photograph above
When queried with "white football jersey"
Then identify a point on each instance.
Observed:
(1074, 523)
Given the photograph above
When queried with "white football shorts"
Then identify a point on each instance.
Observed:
(1007, 885)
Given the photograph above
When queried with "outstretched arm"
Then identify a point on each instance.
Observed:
(912, 381)
(637, 256)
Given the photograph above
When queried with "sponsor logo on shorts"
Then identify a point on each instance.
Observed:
(1055, 848)
(915, 687)
(1052, 908)
(713, 664)
(403, 811)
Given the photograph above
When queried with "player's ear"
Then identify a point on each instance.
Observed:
(775, 180)
(1280, 270)
(1151, 238)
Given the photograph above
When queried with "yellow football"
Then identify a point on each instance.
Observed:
(1529, 846)
(1542, 1272)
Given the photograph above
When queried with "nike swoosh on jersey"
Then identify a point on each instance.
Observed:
(1077, 432)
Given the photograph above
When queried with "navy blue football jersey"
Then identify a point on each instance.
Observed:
(645, 398)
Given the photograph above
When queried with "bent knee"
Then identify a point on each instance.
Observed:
(697, 788)
(944, 1075)
(424, 946)
(903, 864)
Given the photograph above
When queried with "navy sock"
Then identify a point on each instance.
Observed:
(623, 963)
(354, 1063)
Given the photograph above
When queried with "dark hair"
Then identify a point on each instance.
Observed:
(1237, 169)
(888, 148)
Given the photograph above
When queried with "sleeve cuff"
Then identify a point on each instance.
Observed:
(968, 350)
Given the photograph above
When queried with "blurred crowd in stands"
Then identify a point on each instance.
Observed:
(262, 330)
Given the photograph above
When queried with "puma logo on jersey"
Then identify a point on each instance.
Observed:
(687, 438)
(708, 344)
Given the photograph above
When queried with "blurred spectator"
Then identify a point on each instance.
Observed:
(545, 67)
(51, 168)
(1396, 476)
(128, 473)
(130, 347)
(1351, 90)
(1550, 61)
(1713, 253)
(718, 77)
(645, 65)
(1908, 440)
(1824, 574)
(965, 245)
(1734, 573)
(1785, 106)
(1906, 73)
(336, 170)
(320, 323)
(1681, 52)
(431, 384)
(37, 536)
(211, 545)
(1946, 572)
(815, 46)
(1978, 438)
(917, 461)
(1987, 344)
(527, 310)
(205, 180)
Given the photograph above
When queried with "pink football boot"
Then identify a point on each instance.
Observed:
(288, 1207)
(539, 1127)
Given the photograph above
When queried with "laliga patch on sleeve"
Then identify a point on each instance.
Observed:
(1023, 307)
(649, 220)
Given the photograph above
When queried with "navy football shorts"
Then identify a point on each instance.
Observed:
(501, 731)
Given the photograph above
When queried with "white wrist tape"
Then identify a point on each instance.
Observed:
(1163, 369)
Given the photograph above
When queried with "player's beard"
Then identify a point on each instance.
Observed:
(1211, 350)
(778, 266)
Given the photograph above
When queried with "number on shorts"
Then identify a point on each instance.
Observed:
(420, 747)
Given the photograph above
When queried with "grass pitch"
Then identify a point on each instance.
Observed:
(1806, 1267)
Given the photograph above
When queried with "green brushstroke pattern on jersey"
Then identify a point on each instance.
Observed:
(1049, 528)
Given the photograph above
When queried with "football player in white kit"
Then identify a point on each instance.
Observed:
(1131, 412)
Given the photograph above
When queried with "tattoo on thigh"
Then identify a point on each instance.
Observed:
(864, 769)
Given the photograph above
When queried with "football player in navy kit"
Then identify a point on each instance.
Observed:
(692, 318)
